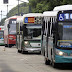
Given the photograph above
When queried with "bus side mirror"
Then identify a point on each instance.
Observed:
(8, 26)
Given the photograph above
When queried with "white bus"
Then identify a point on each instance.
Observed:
(29, 33)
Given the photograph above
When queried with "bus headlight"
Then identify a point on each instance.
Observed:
(60, 53)
(26, 43)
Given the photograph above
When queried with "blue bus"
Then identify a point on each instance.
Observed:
(57, 35)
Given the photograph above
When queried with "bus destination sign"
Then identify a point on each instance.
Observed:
(29, 20)
(64, 16)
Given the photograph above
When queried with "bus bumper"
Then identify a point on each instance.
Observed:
(2, 44)
(32, 49)
(63, 59)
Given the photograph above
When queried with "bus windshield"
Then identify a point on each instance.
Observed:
(1, 34)
(12, 28)
(32, 31)
(65, 34)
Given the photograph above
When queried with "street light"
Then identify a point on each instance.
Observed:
(7, 11)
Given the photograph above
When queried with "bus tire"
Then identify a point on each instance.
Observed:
(9, 46)
(19, 51)
(6, 45)
(47, 62)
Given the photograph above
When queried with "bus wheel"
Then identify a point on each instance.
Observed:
(47, 62)
(19, 51)
(6, 45)
(9, 46)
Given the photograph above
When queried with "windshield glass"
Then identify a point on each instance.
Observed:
(65, 34)
(12, 26)
(1, 34)
(32, 31)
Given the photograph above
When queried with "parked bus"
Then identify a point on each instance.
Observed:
(1, 35)
(29, 33)
(10, 31)
(57, 35)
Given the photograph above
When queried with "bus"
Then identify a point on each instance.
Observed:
(29, 33)
(1, 35)
(57, 35)
(10, 31)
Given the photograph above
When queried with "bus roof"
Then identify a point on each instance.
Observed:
(20, 19)
(12, 17)
(50, 13)
(62, 8)
(32, 15)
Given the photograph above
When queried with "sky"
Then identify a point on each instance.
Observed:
(11, 4)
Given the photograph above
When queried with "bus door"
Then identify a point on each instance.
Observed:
(19, 37)
(19, 40)
(44, 38)
(51, 39)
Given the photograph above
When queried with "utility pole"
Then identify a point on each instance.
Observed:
(6, 2)
(7, 11)
(18, 7)
(29, 8)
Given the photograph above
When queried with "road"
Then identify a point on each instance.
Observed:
(11, 61)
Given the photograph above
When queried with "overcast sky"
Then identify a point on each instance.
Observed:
(11, 4)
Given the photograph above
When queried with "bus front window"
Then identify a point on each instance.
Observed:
(65, 34)
(32, 31)
(12, 28)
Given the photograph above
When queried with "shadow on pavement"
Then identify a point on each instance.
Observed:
(65, 66)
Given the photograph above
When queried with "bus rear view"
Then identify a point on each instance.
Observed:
(10, 31)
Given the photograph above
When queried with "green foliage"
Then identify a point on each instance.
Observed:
(23, 8)
(2, 21)
(46, 5)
